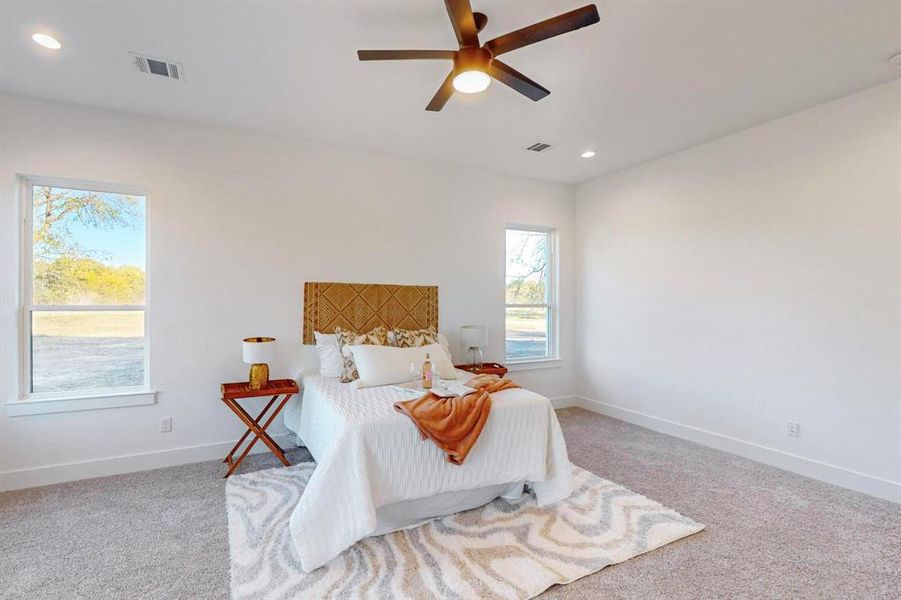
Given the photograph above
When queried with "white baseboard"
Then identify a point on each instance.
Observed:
(853, 480)
(565, 401)
(116, 465)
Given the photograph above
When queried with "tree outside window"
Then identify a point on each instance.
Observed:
(85, 310)
(530, 293)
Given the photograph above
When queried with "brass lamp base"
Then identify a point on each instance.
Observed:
(259, 376)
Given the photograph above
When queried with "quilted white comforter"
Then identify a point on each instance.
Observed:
(371, 456)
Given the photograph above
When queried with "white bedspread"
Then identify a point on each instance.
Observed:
(371, 456)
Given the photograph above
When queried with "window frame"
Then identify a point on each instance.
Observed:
(553, 356)
(46, 402)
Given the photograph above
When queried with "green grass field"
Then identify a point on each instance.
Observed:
(77, 350)
(111, 324)
(526, 320)
(526, 332)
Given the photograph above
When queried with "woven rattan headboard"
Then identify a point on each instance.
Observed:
(364, 306)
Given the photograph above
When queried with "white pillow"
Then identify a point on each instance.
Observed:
(442, 339)
(384, 365)
(330, 363)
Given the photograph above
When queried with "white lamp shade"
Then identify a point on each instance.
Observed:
(258, 350)
(473, 336)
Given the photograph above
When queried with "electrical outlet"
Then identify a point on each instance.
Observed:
(794, 429)
(165, 424)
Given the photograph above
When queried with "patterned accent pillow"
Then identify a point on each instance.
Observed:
(346, 339)
(414, 338)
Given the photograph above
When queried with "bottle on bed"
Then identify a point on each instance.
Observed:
(427, 373)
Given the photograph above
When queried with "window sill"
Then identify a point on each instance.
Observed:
(37, 405)
(534, 363)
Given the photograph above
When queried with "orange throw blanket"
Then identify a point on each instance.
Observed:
(454, 424)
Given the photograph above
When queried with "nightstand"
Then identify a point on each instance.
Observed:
(488, 368)
(231, 392)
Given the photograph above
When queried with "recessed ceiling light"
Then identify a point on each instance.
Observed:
(588, 154)
(46, 41)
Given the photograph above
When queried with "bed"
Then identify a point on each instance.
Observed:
(375, 474)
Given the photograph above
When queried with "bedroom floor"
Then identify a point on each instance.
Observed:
(770, 533)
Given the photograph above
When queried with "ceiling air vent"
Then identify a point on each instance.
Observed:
(156, 66)
(539, 147)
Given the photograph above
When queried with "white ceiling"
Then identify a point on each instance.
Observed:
(651, 78)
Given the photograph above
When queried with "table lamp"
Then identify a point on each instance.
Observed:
(258, 353)
(474, 339)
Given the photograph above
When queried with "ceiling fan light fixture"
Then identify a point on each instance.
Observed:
(475, 63)
(471, 70)
(472, 82)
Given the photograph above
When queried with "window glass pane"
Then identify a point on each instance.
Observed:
(527, 267)
(86, 350)
(88, 247)
(527, 332)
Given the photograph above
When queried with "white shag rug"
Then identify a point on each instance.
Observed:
(505, 549)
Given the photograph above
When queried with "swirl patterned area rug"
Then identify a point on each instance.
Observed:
(505, 549)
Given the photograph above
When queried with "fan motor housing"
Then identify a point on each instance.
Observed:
(472, 59)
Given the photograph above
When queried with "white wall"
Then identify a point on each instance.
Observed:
(755, 280)
(238, 222)
(722, 291)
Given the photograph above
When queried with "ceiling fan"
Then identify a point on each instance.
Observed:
(475, 64)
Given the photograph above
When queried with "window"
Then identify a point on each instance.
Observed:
(84, 289)
(531, 294)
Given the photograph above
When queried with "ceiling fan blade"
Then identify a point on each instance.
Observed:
(516, 80)
(575, 19)
(464, 23)
(443, 94)
(405, 54)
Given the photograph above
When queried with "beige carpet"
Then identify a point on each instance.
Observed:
(770, 534)
(506, 550)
